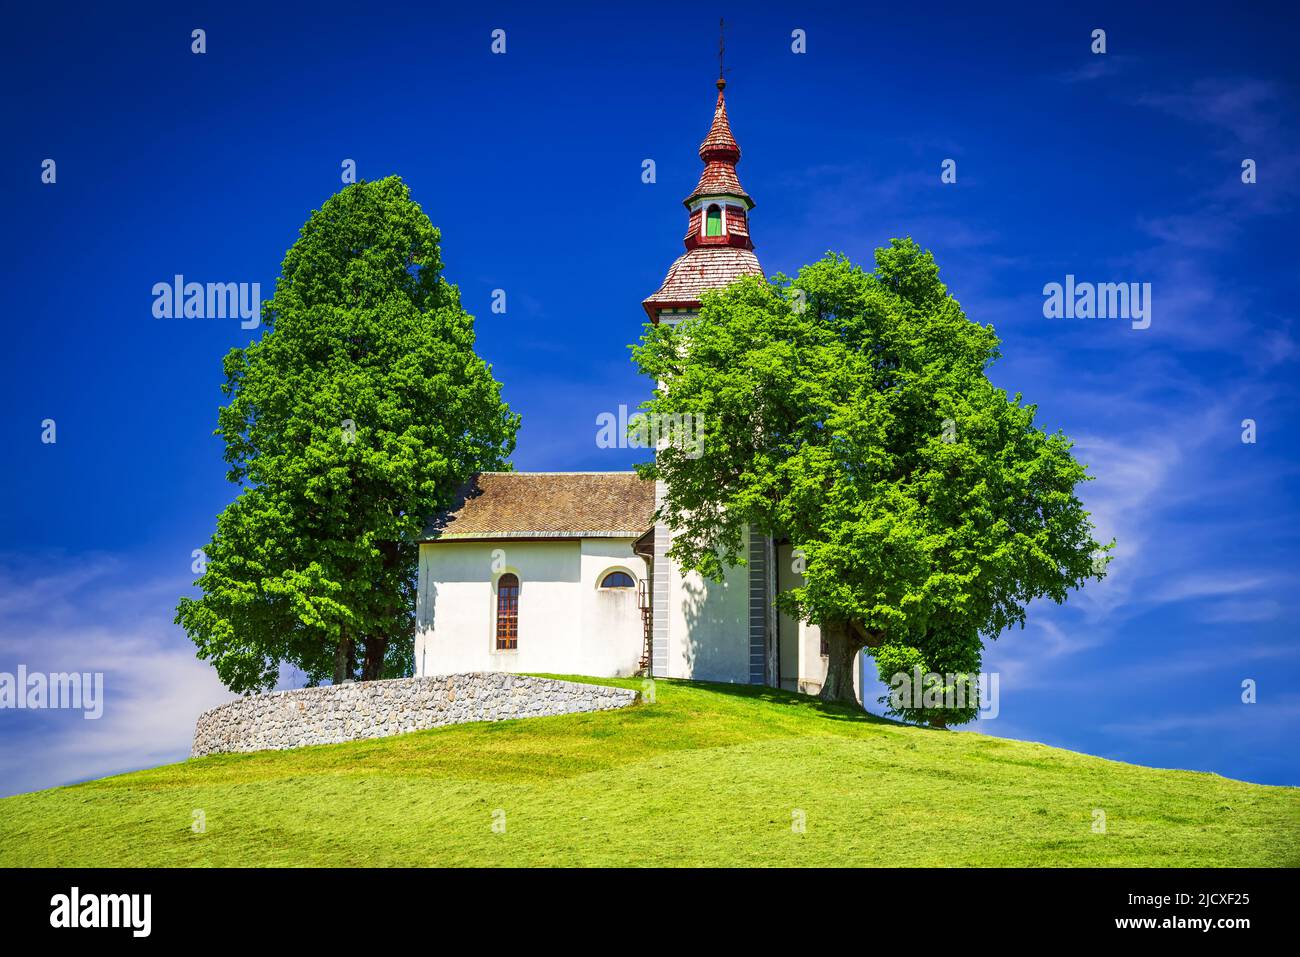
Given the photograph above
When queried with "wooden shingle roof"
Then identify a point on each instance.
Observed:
(505, 505)
(702, 269)
(719, 179)
(712, 262)
(720, 153)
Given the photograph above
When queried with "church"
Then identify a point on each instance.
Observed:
(568, 572)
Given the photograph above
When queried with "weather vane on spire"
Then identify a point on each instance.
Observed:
(722, 49)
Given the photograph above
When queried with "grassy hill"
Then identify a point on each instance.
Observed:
(709, 774)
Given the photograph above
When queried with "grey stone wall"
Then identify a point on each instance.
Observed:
(376, 709)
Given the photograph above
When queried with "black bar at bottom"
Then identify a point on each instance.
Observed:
(298, 906)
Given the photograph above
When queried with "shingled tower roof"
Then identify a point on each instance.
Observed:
(718, 246)
(720, 153)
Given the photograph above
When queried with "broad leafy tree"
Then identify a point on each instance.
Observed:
(849, 414)
(350, 422)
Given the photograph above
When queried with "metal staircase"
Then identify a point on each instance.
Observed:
(647, 626)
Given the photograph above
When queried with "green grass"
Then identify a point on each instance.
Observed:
(708, 775)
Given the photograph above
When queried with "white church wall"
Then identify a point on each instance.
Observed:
(789, 626)
(566, 625)
(613, 633)
(812, 663)
(803, 666)
(709, 625)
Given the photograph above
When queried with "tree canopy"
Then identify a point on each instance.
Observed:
(850, 414)
(353, 419)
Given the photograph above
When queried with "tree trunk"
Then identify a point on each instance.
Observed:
(842, 644)
(373, 667)
(342, 660)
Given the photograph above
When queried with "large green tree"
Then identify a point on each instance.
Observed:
(353, 419)
(849, 413)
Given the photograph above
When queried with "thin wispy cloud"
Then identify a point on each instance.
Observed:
(94, 615)
(1248, 110)
(1218, 720)
(1099, 66)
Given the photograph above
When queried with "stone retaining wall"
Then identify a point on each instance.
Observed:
(376, 709)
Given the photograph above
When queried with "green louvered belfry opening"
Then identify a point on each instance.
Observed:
(713, 221)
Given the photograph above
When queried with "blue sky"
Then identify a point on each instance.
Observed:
(1123, 167)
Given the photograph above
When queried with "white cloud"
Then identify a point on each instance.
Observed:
(1098, 66)
(1153, 466)
(94, 616)
(1219, 721)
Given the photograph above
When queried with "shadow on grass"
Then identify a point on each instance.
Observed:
(764, 693)
(836, 712)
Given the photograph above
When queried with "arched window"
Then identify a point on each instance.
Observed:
(617, 580)
(507, 612)
(713, 221)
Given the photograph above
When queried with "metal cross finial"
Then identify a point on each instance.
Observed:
(722, 46)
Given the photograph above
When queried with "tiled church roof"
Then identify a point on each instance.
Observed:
(701, 269)
(720, 142)
(718, 178)
(547, 505)
(720, 153)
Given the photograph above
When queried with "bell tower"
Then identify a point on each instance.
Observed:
(731, 631)
(719, 249)
(719, 206)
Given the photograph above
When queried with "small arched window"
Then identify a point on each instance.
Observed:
(617, 580)
(507, 612)
(713, 221)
